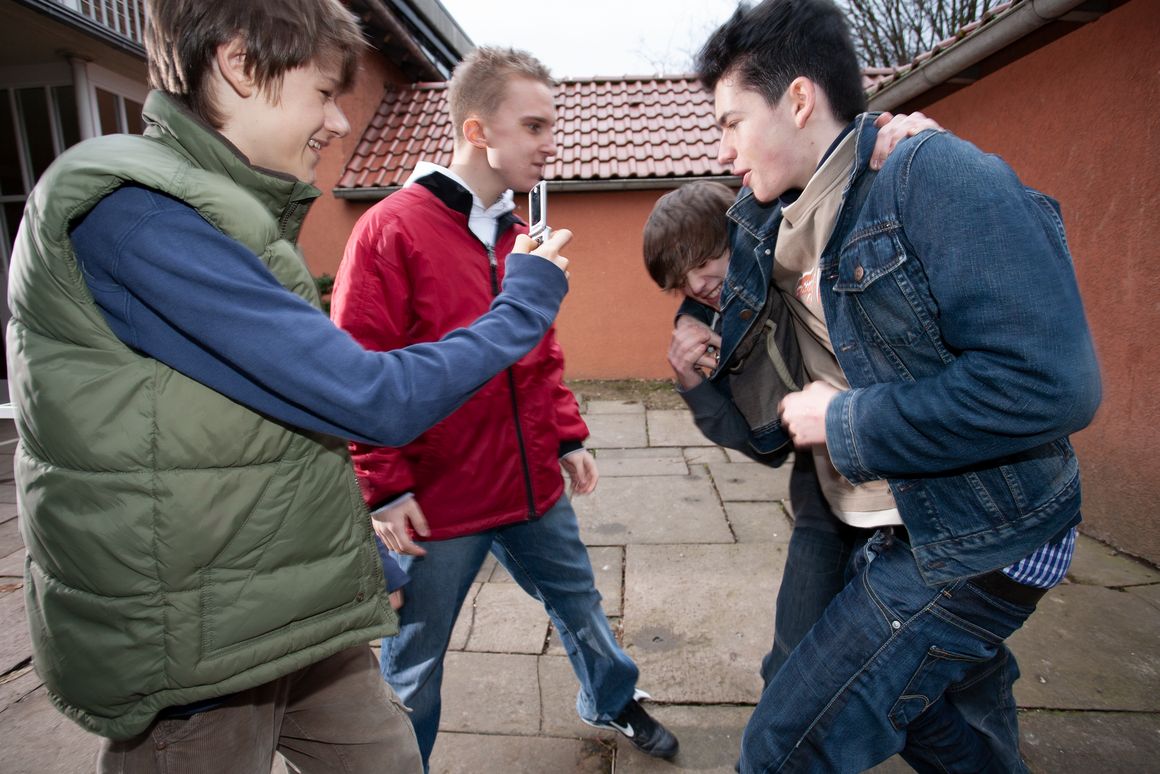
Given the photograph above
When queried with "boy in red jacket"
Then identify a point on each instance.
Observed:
(429, 259)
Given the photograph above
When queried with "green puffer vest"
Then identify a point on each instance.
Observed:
(180, 546)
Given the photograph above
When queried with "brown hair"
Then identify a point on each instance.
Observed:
(686, 229)
(479, 83)
(183, 36)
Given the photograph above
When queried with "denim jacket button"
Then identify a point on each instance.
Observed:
(746, 314)
(768, 251)
(859, 273)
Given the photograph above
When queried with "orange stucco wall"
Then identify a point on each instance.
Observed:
(331, 220)
(1080, 119)
(615, 323)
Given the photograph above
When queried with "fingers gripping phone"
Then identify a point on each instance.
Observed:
(538, 212)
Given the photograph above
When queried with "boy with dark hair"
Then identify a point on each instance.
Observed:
(487, 479)
(939, 318)
(201, 579)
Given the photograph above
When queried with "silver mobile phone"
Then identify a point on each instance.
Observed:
(538, 212)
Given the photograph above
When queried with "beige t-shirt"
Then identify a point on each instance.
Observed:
(806, 227)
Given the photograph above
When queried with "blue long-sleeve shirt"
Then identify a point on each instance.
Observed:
(175, 288)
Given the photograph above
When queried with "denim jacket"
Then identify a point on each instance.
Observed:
(954, 311)
(760, 360)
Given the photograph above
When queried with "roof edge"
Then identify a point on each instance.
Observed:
(563, 186)
(994, 35)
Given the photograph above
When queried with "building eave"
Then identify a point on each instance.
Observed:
(945, 64)
(562, 186)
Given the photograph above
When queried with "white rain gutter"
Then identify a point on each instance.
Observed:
(563, 186)
(1019, 21)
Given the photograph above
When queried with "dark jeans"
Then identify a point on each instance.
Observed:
(894, 666)
(815, 567)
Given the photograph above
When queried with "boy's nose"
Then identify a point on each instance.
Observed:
(725, 153)
(336, 121)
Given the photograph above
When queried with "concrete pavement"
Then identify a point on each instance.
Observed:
(688, 542)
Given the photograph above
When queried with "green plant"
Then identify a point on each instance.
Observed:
(325, 284)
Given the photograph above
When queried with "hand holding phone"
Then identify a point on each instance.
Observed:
(538, 212)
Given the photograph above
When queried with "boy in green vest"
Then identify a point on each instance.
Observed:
(201, 580)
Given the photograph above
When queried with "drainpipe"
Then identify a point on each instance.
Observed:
(1001, 32)
(85, 98)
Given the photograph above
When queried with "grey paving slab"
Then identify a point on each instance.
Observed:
(17, 684)
(558, 688)
(1085, 742)
(710, 740)
(10, 541)
(478, 754)
(732, 455)
(12, 566)
(613, 407)
(608, 568)
(1097, 564)
(748, 481)
(641, 462)
(1150, 594)
(654, 509)
(1089, 648)
(698, 619)
(490, 693)
(8, 511)
(507, 620)
(765, 522)
(613, 431)
(674, 428)
(461, 632)
(487, 569)
(893, 766)
(703, 455)
(15, 645)
(35, 738)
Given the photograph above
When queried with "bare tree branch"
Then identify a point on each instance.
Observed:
(893, 32)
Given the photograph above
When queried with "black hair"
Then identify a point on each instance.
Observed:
(770, 44)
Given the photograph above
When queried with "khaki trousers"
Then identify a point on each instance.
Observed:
(334, 716)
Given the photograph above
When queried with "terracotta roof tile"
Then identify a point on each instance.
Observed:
(609, 129)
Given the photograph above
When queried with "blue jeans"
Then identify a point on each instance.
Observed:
(548, 560)
(894, 666)
(815, 565)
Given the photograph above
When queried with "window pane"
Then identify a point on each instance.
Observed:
(37, 128)
(135, 125)
(11, 182)
(66, 107)
(107, 110)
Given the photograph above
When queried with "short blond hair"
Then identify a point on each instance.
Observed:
(479, 84)
(182, 38)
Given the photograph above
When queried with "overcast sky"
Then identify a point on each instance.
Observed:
(579, 38)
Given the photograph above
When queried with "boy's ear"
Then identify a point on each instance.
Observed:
(803, 98)
(474, 132)
(231, 64)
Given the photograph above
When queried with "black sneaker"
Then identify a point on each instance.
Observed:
(644, 731)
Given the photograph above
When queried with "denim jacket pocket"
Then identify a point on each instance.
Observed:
(883, 291)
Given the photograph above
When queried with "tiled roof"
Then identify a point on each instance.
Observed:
(609, 129)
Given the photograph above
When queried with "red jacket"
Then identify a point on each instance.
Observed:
(413, 272)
